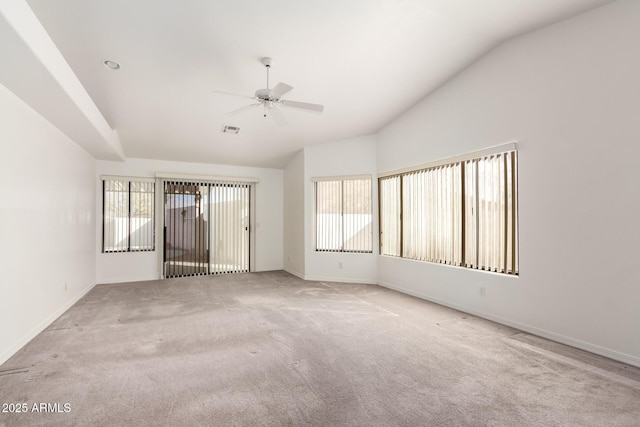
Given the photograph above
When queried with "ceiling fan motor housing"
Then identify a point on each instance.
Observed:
(263, 94)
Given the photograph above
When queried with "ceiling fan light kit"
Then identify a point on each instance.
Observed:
(271, 99)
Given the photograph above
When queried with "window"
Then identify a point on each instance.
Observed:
(462, 213)
(343, 215)
(128, 215)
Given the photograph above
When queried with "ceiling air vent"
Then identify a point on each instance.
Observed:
(230, 129)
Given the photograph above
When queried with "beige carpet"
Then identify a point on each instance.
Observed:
(271, 349)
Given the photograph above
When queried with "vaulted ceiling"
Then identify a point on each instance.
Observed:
(366, 61)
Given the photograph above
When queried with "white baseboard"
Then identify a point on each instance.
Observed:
(340, 280)
(128, 279)
(13, 349)
(294, 272)
(593, 348)
(269, 268)
(327, 278)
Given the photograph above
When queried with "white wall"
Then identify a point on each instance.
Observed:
(47, 223)
(355, 156)
(294, 254)
(569, 94)
(124, 267)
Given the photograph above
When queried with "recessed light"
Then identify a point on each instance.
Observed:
(113, 65)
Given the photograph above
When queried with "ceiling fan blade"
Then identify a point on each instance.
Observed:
(242, 109)
(279, 90)
(303, 105)
(277, 116)
(232, 94)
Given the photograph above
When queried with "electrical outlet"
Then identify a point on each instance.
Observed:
(66, 287)
(340, 265)
(482, 291)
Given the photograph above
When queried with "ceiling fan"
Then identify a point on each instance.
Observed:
(271, 99)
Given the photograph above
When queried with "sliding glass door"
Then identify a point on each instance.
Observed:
(206, 228)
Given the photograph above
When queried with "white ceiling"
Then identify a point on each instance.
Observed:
(367, 61)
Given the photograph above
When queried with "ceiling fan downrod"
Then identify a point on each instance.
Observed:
(266, 61)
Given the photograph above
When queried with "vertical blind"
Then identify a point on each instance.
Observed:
(432, 214)
(206, 227)
(390, 216)
(229, 227)
(343, 215)
(128, 215)
(491, 216)
(463, 213)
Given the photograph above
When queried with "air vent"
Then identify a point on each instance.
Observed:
(230, 129)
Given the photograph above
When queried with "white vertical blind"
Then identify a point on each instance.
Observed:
(329, 230)
(470, 214)
(141, 220)
(491, 219)
(128, 215)
(389, 189)
(463, 213)
(432, 215)
(230, 227)
(356, 200)
(115, 216)
(343, 215)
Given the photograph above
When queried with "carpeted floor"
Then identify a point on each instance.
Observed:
(271, 349)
